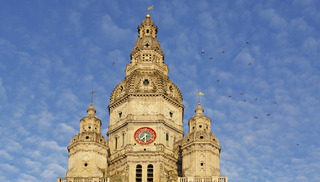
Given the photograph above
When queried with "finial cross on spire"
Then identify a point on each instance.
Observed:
(92, 96)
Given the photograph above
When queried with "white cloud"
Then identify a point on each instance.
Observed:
(244, 57)
(4, 154)
(74, 25)
(34, 153)
(32, 166)
(11, 145)
(27, 178)
(51, 145)
(43, 144)
(299, 24)
(67, 99)
(116, 56)
(112, 31)
(3, 94)
(9, 168)
(311, 45)
(52, 170)
(64, 128)
(274, 19)
(44, 119)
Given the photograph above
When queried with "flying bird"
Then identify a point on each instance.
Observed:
(247, 42)
(268, 114)
(223, 52)
(202, 51)
(211, 57)
(244, 100)
(218, 80)
(256, 117)
(241, 93)
(113, 63)
(274, 102)
(256, 99)
(230, 95)
(249, 63)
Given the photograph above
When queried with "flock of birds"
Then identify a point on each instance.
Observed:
(218, 80)
(241, 93)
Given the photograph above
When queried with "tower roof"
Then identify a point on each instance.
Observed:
(91, 111)
(147, 74)
(147, 52)
(199, 110)
(199, 119)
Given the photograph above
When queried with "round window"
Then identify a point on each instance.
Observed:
(146, 82)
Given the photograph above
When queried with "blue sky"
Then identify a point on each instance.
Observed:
(54, 53)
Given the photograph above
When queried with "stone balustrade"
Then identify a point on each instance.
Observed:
(202, 179)
(180, 179)
(83, 180)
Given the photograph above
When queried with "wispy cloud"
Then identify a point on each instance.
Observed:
(4, 154)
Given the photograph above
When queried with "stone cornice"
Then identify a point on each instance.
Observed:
(127, 96)
(147, 119)
(83, 147)
(200, 143)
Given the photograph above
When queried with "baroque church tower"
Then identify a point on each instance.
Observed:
(145, 134)
(200, 148)
(88, 149)
(146, 115)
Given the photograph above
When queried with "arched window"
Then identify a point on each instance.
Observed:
(167, 138)
(122, 139)
(150, 173)
(116, 143)
(139, 173)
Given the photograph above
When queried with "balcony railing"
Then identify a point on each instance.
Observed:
(202, 179)
(83, 180)
(180, 179)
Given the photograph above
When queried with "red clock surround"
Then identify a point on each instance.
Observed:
(145, 135)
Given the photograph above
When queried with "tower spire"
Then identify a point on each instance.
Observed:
(147, 53)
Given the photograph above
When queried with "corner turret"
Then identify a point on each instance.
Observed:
(200, 148)
(88, 149)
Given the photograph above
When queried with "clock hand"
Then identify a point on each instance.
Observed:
(144, 137)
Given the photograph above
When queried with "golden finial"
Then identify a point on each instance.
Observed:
(147, 16)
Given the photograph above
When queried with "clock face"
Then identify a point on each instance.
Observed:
(145, 135)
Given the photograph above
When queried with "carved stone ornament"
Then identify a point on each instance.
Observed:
(189, 172)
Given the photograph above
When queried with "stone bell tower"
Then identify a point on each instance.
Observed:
(200, 148)
(146, 115)
(145, 132)
(88, 149)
